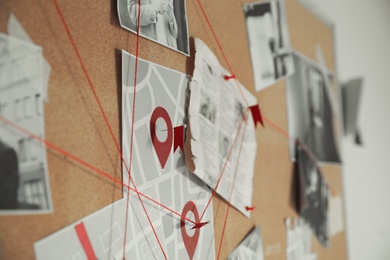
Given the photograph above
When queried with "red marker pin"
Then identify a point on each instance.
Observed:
(162, 149)
(190, 242)
(250, 208)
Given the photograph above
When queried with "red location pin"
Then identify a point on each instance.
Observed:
(190, 242)
(162, 149)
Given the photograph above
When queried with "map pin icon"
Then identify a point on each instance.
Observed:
(163, 149)
(190, 242)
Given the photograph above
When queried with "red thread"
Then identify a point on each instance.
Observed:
(73, 157)
(231, 194)
(231, 71)
(224, 167)
(221, 49)
(104, 114)
(85, 242)
(131, 146)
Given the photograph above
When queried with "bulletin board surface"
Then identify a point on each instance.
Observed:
(74, 122)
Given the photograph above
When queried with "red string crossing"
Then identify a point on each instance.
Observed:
(231, 193)
(87, 165)
(127, 168)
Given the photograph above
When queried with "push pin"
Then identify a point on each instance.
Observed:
(199, 225)
(250, 208)
(229, 77)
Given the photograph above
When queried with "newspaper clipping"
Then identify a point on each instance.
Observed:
(223, 140)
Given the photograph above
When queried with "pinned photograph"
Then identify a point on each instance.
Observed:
(162, 21)
(24, 181)
(314, 195)
(269, 42)
(310, 115)
(251, 248)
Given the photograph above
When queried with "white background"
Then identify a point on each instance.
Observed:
(362, 30)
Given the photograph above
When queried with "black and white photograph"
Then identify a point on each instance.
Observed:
(24, 182)
(251, 248)
(162, 21)
(208, 108)
(310, 115)
(269, 42)
(315, 194)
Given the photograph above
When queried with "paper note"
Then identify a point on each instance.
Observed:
(269, 42)
(251, 248)
(223, 139)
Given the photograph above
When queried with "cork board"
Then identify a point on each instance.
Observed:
(74, 123)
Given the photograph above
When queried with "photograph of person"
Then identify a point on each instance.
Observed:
(316, 192)
(310, 115)
(269, 42)
(162, 21)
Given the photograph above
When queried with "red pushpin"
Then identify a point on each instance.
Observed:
(190, 242)
(199, 225)
(162, 149)
(226, 77)
(250, 208)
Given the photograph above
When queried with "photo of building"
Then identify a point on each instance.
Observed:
(24, 183)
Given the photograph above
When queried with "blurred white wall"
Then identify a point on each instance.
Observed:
(362, 30)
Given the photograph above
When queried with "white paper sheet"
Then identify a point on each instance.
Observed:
(216, 113)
